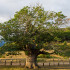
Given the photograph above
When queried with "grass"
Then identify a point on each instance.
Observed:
(22, 55)
(22, 68)
(18, 68)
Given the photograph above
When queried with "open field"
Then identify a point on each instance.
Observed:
(22, 55)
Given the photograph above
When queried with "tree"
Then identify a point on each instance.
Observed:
(30, 29)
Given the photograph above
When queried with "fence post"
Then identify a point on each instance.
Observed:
(43, 64)
(63, 62)
(53, 59)
(19, 62)
(69, 60)
(24, 63)
(5, 62)
(58, 62)
(53, 62)
(0, 60)
(11, 62)
(49, 63)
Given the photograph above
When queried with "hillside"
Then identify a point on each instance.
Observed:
(64, 50)
(22, 55)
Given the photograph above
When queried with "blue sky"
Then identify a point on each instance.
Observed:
(2, 43)
(9, 7)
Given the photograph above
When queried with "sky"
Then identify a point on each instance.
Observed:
(9, 7)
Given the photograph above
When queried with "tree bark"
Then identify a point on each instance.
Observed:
(31, 62)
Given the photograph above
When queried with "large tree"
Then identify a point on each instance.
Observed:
(30, 29)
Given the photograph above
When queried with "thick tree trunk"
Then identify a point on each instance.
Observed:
(31, 62)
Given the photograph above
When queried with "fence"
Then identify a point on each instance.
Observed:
(54, 62)
(12, 61)
(41, 62)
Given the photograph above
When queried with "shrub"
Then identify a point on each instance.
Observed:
(44, 56)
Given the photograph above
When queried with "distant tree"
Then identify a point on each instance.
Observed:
(30, 29)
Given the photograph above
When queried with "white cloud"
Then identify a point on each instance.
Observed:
(9, 7)
(2, 19)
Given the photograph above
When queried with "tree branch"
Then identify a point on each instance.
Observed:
(43, 52)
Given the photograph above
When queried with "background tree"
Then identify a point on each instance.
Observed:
(30, 29)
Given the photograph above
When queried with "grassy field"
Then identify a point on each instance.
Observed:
(22, 55)
(29, 69)
(21, 68)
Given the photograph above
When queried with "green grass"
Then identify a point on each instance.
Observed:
(19, 68)
(29, 69)
(22, 68)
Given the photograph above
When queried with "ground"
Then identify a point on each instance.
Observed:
(21, 68)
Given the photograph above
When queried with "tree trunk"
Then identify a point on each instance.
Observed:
(31, 62)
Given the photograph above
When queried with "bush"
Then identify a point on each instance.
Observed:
(13, 53)
(0, 56)
(44, 56)
(3, 56)
(67, 53)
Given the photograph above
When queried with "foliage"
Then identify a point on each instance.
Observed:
(62, 34)
(67, 53)
(44, 56)
(13, 53)
(11, 47)
(62, 49)
(30, 28)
